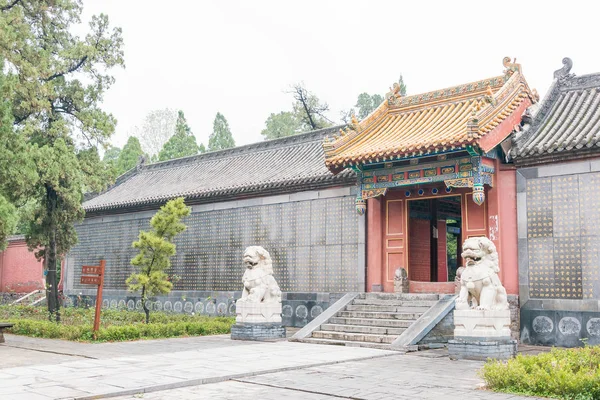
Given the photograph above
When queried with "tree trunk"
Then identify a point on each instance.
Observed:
(50, 254)
(146, 309)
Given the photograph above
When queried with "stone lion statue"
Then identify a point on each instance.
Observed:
(259, 284)
(480, 286)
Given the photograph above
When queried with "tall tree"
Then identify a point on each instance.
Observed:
(129, 156)
(367, 103)
(308, 109)
(182, 143)
(156, 129)
(155, 251)
(220, 137)
(17, 169)
(402, 85)
(111, 155)
(61, 78)
(281, 125)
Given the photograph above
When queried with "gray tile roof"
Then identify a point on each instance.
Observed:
(567, 121)
(270, 167)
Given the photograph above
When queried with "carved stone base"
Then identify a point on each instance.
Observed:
(481, 350)
(482, 325)
(257, 313)
(259, 332)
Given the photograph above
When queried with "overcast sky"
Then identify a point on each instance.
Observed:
(240, 57)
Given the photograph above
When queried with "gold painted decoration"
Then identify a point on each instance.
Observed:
(371, 193)
(398, 177)
(447, 170)
(459, 183)
(430, 172)
(465, 167)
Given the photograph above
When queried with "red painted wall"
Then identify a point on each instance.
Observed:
(374, 243)
(503, 226)
(20, 272)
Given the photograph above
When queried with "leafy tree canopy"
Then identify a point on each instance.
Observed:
(155, 251)
(129, 157)
(281, 125)
(220, 137)
(182, 143)
(111, 154)
(60, 79)
(366, 104)
(17, 168)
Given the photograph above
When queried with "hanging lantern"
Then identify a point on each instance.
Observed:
(478, 194)
(361, 206)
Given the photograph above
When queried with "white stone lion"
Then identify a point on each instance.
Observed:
(259, 284)
(480, 286)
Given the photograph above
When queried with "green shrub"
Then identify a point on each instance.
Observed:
(571, 374)
(115, 325)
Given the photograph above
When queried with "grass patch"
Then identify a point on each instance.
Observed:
(115, 325)
(570, 374)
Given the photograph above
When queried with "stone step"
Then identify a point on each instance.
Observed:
(399, 296)
(381, 346)
(371, 330)
(395, 302)
(380, 322)
(374, 314)
(387, 308)
(356, 337)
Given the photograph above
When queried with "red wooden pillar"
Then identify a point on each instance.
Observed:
(374, 238)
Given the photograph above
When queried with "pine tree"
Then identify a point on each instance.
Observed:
(155, 251)
(129, 156)
(55, 102)
(181, 144)
(221, 137)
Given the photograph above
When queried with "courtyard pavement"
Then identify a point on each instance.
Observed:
(216, 367)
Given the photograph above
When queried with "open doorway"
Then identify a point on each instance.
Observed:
(434, 229)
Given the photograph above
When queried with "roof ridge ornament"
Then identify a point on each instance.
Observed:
(394, 95)
(564, 73)
(511, 67)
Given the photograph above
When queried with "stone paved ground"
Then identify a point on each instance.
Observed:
(219, 368)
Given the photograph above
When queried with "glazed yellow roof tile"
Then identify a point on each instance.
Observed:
(436, 121)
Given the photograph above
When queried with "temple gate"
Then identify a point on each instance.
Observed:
(431, 173)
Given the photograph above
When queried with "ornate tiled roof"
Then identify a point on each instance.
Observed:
(442, 120)
(275, 166)
(567, 120)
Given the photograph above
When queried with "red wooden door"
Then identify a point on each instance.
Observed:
(394, 239)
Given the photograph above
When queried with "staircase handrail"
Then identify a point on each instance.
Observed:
(26, 296)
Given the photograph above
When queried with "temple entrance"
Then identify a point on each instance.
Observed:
(434, 231)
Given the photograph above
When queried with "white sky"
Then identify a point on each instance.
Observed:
(239, 57)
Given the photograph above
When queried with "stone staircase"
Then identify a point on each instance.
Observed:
(373, 319)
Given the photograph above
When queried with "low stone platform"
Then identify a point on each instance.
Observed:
(461, 349)
(261, 332)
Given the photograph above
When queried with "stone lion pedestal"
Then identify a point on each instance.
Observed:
(258, 311)
(481, 317)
